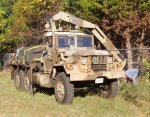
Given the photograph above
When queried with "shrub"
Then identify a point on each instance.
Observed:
(146, 65)
(138, 94)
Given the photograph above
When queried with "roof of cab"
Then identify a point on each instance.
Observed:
(64, 33)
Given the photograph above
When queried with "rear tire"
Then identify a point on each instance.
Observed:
(12, 72)
(27, 82)
(18, 79)
(64, 91)
(110, 89)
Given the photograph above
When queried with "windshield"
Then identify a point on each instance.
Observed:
(84, 41)
(65, 41)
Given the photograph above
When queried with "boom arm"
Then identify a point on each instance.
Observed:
(85, 24)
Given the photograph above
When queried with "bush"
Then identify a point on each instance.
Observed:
(146, 74)
(138, 94)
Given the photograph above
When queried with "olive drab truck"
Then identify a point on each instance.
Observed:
(68, 60)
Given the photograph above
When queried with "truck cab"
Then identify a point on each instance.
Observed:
(78, 51)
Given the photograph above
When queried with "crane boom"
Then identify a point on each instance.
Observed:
(97, 32)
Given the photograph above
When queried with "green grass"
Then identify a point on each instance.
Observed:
(19, 104)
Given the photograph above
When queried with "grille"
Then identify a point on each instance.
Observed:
(99, 60)
(99, 63)
(99, 67)
(103, 59)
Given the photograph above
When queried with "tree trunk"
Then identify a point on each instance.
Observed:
(129, 53)
(142, 38)
(142, 54)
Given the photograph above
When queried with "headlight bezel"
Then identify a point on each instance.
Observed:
(84, 60)
(110, 60)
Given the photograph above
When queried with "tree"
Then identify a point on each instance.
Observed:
(5, 21)
(29, 18)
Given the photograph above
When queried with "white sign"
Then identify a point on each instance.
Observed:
(99, 80)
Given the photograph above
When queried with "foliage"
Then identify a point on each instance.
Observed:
(87, 9)
(137, 94)
(28, 17)
(146, 65)
(119, 19)
(25, 19)
(5, 25)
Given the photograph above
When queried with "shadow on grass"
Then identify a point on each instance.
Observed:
(50, 92)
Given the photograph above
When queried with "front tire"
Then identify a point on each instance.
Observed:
(110, 89)
(64, 90)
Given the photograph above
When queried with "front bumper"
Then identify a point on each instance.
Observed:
(113, 74)
(100, 74)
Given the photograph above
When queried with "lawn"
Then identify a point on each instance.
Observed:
(19, 104)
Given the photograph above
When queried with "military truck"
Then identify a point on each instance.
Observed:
(68, 60)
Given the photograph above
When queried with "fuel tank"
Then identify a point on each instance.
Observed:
(43, 80)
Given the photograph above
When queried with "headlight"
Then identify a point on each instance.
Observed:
(84, 60)
(69, 66)
(110, 60)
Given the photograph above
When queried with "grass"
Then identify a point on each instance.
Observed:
(138, 94)
(19, 104)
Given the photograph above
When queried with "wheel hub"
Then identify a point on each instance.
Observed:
(18, 80)
(26, 83)
(105, 90)
(60, 89)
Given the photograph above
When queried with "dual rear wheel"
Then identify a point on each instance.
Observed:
(18, 79)
(64, 90)
(22, 80)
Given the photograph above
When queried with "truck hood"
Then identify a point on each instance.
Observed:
(86, 52)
